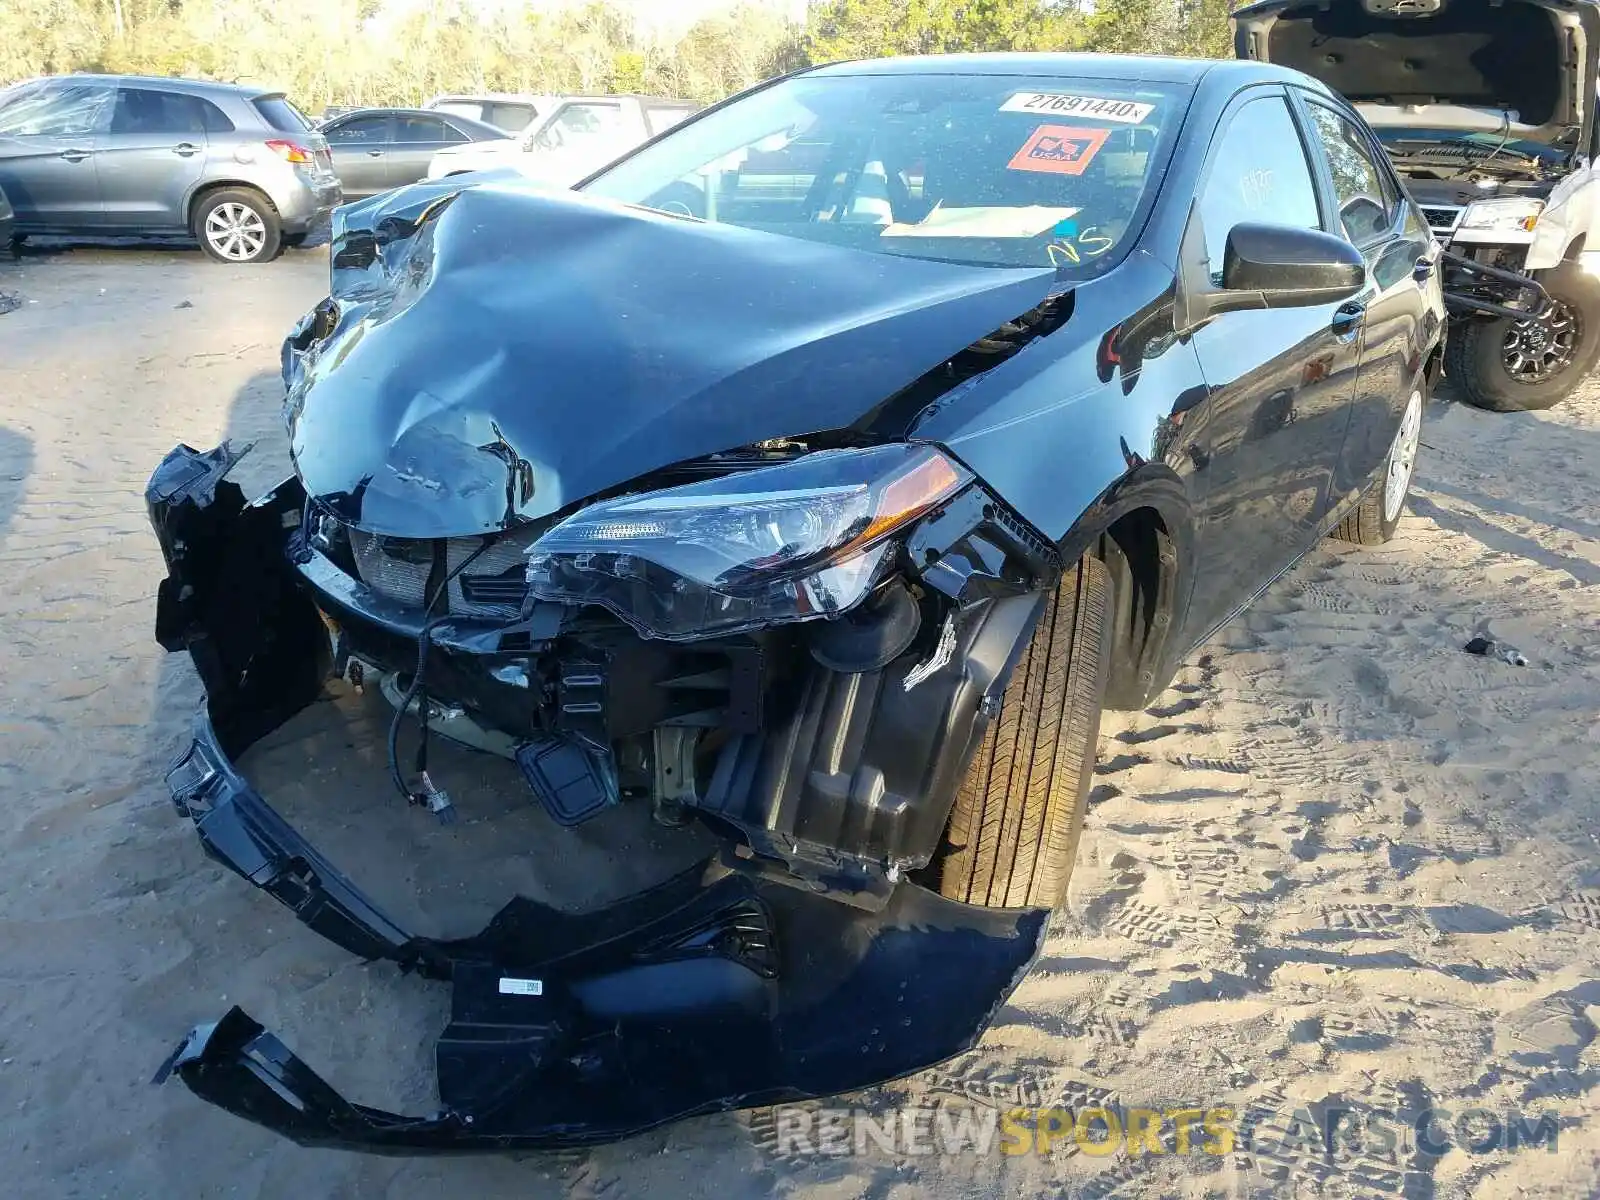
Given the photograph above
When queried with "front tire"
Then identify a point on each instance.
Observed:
(236, 225)
(1013, 833)
(1520, 366)
(1378, 515)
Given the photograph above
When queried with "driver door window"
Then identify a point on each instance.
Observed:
(1367, 200)
(365, 130)
(58, 110)
(1259, 174)
(580, 126)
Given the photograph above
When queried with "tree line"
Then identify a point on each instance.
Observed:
(325, 52)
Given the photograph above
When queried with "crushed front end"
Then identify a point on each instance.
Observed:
(797, 641)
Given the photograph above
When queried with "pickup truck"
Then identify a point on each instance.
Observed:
(571, 138)
(1487, 110)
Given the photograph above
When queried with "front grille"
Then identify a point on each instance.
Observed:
(1441, 218)
(399, 568)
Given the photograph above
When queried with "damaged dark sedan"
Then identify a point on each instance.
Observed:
(816, 473)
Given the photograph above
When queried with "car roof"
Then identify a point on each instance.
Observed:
(361, 110)
(194, 87)
(498, 97)
(1143, 68)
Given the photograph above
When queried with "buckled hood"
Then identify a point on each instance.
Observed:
(1534, 60)
(494, 353)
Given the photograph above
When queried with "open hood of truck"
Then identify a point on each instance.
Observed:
(1531, 59)
(495, 352)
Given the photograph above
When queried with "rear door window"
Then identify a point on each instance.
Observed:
(424, 129)
(1368, 200)
(146, 111)
(277, 112)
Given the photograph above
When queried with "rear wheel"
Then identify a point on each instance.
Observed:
(1378, 515)
(236, 225)
(1516, 366)
(1013, 832)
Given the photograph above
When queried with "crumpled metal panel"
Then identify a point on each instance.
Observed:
(496, 352)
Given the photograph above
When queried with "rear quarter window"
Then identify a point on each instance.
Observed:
(277, 112)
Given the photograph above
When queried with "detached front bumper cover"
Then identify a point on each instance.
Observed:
(715, 990)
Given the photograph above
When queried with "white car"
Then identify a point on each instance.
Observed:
(571, 138)
(510, 111)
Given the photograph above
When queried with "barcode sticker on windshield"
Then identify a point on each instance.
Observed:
(1096, 108)
(521, 987)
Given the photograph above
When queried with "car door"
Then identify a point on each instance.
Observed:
(1280, 381)
(360, 147)
(579, 139)
(1377, 215)
(416, 139)
(152, 156)
(47, 159)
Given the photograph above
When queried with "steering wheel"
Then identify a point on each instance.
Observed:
(682, 199)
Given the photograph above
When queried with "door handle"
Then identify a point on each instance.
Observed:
(1423, 269)
(374, 153)
(185, 149)
(1347, 320)
(75, 156)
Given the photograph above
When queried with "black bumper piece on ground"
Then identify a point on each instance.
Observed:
(715, 990)
(718, 989)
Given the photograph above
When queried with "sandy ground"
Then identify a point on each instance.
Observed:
(1340, 863)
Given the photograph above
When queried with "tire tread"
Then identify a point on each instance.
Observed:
(1014, 827)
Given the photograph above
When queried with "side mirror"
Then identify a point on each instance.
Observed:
(1289, 268)
(1265, 266)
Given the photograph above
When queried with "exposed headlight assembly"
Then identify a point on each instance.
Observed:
(794, 542)
(1510, 213)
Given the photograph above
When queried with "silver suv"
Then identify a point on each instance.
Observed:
(240, 168)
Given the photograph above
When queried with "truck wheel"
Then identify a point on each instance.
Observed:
(1378, 515)
(1514, 366)
(1013, 831)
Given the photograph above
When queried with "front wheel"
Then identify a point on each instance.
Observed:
(1013, 832)
(236, 225)
(1517, 366)
(1378, 515)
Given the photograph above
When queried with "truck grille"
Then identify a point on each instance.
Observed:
(1441, 218)
(399, 568)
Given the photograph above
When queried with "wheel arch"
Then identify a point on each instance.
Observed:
(210, 187)
(1143, 527)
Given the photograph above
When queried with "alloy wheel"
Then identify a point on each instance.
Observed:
(1537, 349)
(235, 231)
(1403, 458)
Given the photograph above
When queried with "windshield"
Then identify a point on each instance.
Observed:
(991, 170)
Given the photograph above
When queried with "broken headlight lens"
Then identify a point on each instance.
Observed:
(794, 542)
